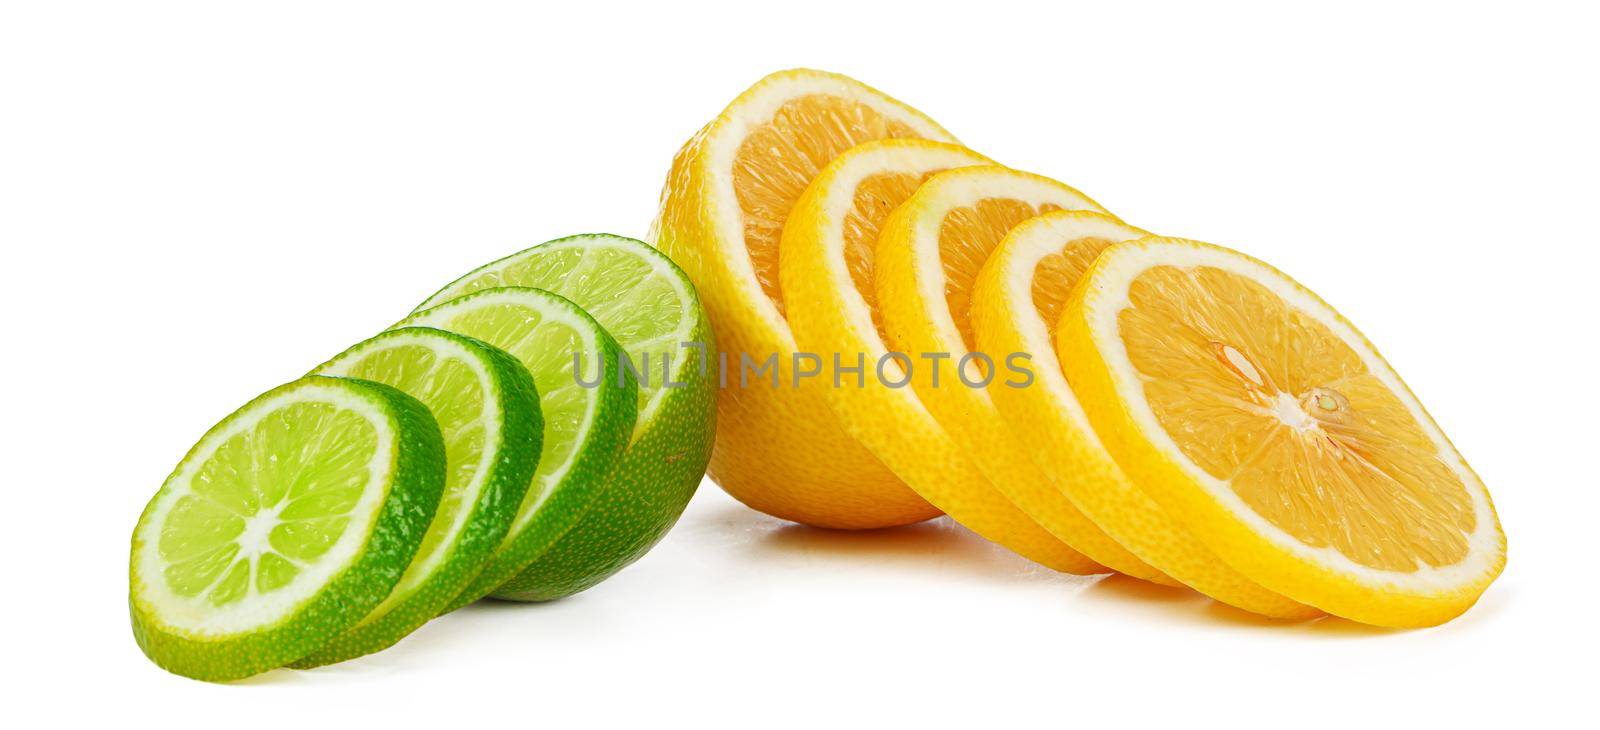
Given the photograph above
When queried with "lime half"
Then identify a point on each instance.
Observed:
(648, 304)
(488, 413)
(288, 522)
(588, 412)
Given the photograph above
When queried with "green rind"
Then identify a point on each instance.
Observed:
(598, 456)
(659, 474)
(517, 450)
(412, 495)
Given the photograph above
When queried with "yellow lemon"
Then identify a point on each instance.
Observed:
(825, 268)
(779, 449)
(1016, 302)
(1264, 421)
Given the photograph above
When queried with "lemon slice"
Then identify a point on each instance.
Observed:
(1016, 302)
(778, 449)
(926, 261)
(1251, 410)
(826, 260)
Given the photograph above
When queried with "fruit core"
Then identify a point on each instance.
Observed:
(267, 501)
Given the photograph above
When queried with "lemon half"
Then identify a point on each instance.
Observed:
(779, 449)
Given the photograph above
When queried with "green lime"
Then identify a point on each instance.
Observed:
(588, 412)
(648, 304)
(488, 412)
(289, 521)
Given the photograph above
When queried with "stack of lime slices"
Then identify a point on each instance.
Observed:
(646, 302)
(527, 432)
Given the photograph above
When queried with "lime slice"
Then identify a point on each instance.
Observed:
(488, 414)
(648, 304)
(587, 413)
(288, 522)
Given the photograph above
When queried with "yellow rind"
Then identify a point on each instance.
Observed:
(1051, 424)
(829, 316)
(778, 450)
(1173, 484)
(910, 283)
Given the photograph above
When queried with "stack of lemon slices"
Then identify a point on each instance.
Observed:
(909, 328)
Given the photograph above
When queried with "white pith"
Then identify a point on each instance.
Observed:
(1289, 413)
(1024, 248)
(659, 268)
(258, 530)
(751, 110)
(196, 616)
(1109, 296)
(962, 188)
(550, 309)
(423, 567)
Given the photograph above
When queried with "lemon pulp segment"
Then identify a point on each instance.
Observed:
(1270, 401)
(777, 160)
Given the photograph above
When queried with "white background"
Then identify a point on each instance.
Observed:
(200, 201)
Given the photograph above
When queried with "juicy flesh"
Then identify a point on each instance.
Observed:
(967, 236)
(623, 292)
(777, 160)
(1057, 273)
(544, 346)
(1268, 399)
(267, 503)
(454, 393)
(875, 198)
